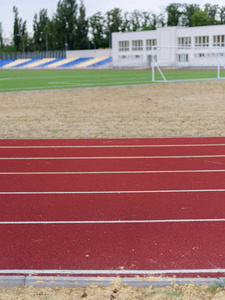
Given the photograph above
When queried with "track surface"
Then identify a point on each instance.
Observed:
(113, 207)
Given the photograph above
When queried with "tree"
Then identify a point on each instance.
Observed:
(50, 33)
(64, 24)
(97, 30)
(126, 25)
(174, 13)
(19, 31)
(136, 19)
(1, 37)
(161, 19)
(39, 27)
(149, 21)
(81, 31)
(188, 11)
(222, 14)
(200, 18)
(113, 23)
(211, 11)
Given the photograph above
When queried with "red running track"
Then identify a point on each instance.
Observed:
(113, 207)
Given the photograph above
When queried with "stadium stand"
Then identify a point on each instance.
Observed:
(90, 62)
(4, 62)
(77, 62)
(50, 62)
(62, 62)
(16, 63)
(37, 63)
(26, 63)
(53, 63)
(104, 60)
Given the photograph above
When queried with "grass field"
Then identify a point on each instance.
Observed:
(25, 80)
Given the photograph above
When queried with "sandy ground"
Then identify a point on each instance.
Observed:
(175, 109)
(161, 110)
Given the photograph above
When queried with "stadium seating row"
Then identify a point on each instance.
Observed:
(51, 63)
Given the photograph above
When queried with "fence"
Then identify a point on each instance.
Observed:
(33, 55)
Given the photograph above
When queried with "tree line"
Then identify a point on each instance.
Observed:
(70, 29)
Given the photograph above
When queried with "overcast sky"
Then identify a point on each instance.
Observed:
(27, 8)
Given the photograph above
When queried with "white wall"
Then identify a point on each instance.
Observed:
(129, 58)
(168, 52)
(89, 53)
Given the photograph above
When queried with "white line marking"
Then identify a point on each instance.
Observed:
(110, 192)
(108, 222)
(110, 172)
(113, 272)
(109, 157)
(111, 146)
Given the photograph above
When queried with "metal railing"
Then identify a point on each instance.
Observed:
(33, 55)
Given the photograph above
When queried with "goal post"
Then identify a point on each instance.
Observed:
(155, 65)
(187, 63)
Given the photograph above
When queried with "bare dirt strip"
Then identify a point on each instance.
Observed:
(161, 110)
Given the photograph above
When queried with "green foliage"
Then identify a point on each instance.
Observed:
(97, 30)
(19, 32)
(174, 14)
(188, 11)
(1, 37)
(64, 22)
(69, 27)
(40, 30)
(222, 14)
(200, 18)
(81, 31)
(211, 13)
(136, 20)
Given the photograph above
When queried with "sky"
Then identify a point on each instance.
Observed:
(27, 9)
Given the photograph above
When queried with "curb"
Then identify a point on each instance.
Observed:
(72, 282)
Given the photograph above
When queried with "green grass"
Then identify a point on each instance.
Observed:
(26, 80)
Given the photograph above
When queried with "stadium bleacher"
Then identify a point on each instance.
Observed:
(54, 63)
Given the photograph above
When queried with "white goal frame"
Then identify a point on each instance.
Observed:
(167, 57)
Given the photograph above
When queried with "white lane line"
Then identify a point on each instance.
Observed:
(108, 222)
(110, 192)
(113, 272)
(111, 146)
(110, 157)
(110, 172)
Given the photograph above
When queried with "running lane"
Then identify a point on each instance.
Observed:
(121, 207)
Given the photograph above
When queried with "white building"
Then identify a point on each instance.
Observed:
(170, 46)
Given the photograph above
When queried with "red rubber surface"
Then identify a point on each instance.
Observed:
(129, 246)
(112, 246)
(112, 207)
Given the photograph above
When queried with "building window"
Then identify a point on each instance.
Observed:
(150, 44)
(202, 41)
(137, 45)
(183, 58)
(123, 45)
(184, 42)
(219, 40)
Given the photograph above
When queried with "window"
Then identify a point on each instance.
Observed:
(123, 45)
(219, 41)
(202, 41)
(150, 44)
(138, 56)
(183, 58)
(130, 57)
(184, 42)
(137, 45)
